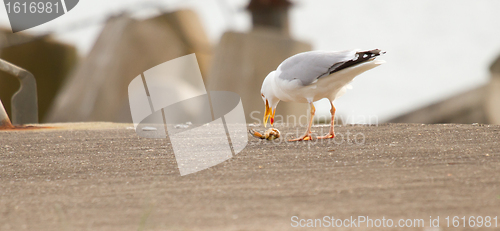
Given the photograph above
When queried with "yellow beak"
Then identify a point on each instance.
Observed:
(269, 113)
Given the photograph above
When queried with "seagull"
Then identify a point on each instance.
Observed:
(310, 76)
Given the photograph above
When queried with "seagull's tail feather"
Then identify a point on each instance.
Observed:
(360, 57)
(374, 51)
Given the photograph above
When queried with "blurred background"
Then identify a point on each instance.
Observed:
(442, 56)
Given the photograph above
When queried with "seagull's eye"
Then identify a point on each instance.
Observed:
(262, 95)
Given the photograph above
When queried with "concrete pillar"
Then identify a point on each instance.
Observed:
(493, 95)
(49, 60)
(98, 88)
(270, 13)
(242, 60)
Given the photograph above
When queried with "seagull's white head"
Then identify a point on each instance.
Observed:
(269, 97)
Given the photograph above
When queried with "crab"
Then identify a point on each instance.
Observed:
(270, 134)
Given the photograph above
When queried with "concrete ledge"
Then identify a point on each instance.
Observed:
(86, 177)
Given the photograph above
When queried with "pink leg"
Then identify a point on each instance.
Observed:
(331, 133)
(307, 136)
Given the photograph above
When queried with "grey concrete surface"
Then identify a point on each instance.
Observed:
(104, 177)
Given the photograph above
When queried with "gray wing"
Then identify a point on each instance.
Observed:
(312, 65)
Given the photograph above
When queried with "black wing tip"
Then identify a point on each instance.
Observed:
(361, 57)
(376, 52)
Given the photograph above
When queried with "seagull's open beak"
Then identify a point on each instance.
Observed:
(269, 114)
